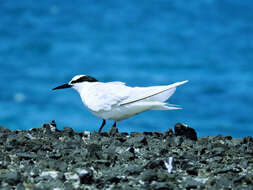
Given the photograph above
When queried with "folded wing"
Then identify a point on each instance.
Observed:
(103, 96)
(151, 94)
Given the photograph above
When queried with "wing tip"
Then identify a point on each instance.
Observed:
(180, 83)
(183, 82)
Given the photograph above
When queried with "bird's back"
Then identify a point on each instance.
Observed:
(103, 96)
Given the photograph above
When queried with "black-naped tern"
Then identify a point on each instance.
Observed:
(116, 101)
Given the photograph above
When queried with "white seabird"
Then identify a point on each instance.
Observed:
(116, 101)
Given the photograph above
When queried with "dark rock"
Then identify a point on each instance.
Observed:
(155, 164)
(4, 130)
(53, 123)
(185, 164)
(93, 148)
(191, 183)
(228, 138)
(157, 134)
(138, 141)
(163, 186)
(26, 156)
(192, 171)
(55, 156)
(85, 175)
(128, 155)
(188, 156)
(46, 158)
(218, 150)
(20, 186)
(95, 151)
(186, 131)
(123, 134)
(223, 181)
(144, 141)
(174, 141)
(69, 186)
(162, 176)
(122, 139)
(237, 141)
(134, 170)
(169, 132)
(6, 187)
(164, 151)
(12, 178)
(229, 169)
(49, 129)
(244, 163)
(218, 137)
(68, 131)
(246, 179)
(148, 133)
(148, 176)
(247, 140)
(114, 180)
(203, 141)
(135, 134)
(131, 150)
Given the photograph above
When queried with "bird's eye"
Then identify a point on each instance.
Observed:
(74, 81)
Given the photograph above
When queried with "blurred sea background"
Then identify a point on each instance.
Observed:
(43, 44)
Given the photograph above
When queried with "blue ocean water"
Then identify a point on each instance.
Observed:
(210, 43)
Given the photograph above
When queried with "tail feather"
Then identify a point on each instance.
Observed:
(164, 106)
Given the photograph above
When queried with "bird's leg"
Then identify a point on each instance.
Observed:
(113, 131)
(101, 127)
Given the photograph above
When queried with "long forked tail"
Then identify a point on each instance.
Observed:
(160, 94)
(165, 106)
(144, 106)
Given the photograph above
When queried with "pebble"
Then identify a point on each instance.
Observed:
(48, 158)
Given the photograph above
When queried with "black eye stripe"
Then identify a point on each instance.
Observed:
(83, 79)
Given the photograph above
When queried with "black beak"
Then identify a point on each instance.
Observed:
(62, 86)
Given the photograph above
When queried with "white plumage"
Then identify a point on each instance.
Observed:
(116, 101)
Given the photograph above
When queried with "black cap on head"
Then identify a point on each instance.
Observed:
(82, 78)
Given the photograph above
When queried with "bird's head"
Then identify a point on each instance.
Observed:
(76, 81)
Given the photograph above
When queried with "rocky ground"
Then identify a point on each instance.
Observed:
(47, 158)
